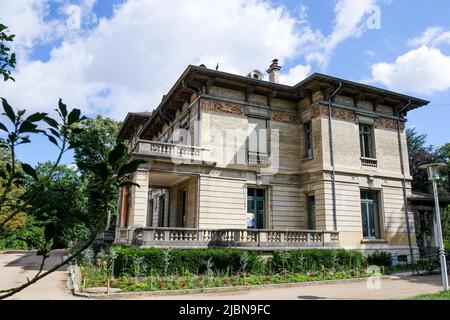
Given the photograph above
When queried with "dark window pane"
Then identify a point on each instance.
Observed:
(260, 192)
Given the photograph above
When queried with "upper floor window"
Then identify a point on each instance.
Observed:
(257, 140)
(308, 140)
(366, 140)
(184, 129)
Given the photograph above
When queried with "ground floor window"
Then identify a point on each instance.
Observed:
(255, 208)
(370, 214)
(311, 212)
(162, 205)
(150, 213)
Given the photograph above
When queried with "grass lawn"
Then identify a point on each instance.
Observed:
(443, 295)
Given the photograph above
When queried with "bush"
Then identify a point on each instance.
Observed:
(313, 260)
(225, 262)
(429, 265)
(380, 258)
(181, 261)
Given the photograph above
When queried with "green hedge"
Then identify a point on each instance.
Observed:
(303, 261)
(231, 261)
(183, 261)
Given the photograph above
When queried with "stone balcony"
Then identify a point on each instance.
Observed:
(261, 239)
(170, 151)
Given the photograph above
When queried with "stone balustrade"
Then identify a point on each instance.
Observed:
(170, 150)
(257, 238)
(369, 162)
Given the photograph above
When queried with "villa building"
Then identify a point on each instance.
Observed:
(237, 161)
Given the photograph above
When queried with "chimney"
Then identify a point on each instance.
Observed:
(274, 71)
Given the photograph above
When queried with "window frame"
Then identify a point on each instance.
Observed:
(311, 215)
(370, 134)
(308, 152)
(260, 156)
(377, 212)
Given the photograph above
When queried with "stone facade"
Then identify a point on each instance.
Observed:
(218, 195)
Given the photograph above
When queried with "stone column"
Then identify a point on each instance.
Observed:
(139, 199)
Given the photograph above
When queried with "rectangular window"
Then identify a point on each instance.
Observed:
(150, 213)
(257, 140)
(255, 208)
(366, 140)
(370, 214)
(184, 130)
(162, 206)
(311, 212)
(308, 140)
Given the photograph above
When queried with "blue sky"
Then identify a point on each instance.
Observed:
(112, 57)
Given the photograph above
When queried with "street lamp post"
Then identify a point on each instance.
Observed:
(433, 175)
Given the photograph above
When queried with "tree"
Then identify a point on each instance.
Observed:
(443, 156)
(98, 136)
(7, 59)
(108, 174)
(63, 204)
(419, 154)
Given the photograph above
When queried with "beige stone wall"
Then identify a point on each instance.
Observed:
(222, 203)
(225, 135)
(287, 207)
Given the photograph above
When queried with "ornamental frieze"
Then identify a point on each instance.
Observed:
(340, 114)
(349, 115)
(389, 123)
(224, 107)
(282, 117)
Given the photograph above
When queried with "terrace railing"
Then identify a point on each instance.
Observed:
(170, 150)
(257, 238)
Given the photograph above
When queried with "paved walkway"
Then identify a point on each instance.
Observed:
(392, 288)
(16, 267)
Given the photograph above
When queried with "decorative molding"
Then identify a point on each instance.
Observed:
(389, 123)
(348, 115)
(282, 117)
(224, 107)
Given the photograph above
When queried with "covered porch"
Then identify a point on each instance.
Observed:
(167, 211)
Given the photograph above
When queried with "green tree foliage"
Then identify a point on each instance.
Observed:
(106, 175)
(63, 204)
(443, 156)
(419, 154)
(7, 59)
(97, 138)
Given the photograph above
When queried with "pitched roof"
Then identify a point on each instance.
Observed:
(131, 121)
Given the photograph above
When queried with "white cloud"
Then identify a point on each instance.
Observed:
(433, 36)
(423, 71)
(370, 52)
(349, 22)
(295, 75)
(127, 62)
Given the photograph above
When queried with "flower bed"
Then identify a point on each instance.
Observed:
(134, 269)
(177, 282)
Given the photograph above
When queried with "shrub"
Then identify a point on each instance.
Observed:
(312, 260)
(227, 261)
(182, 261)
(380, 258)
(429, 265)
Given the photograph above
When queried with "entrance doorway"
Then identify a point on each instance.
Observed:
(256, 208)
